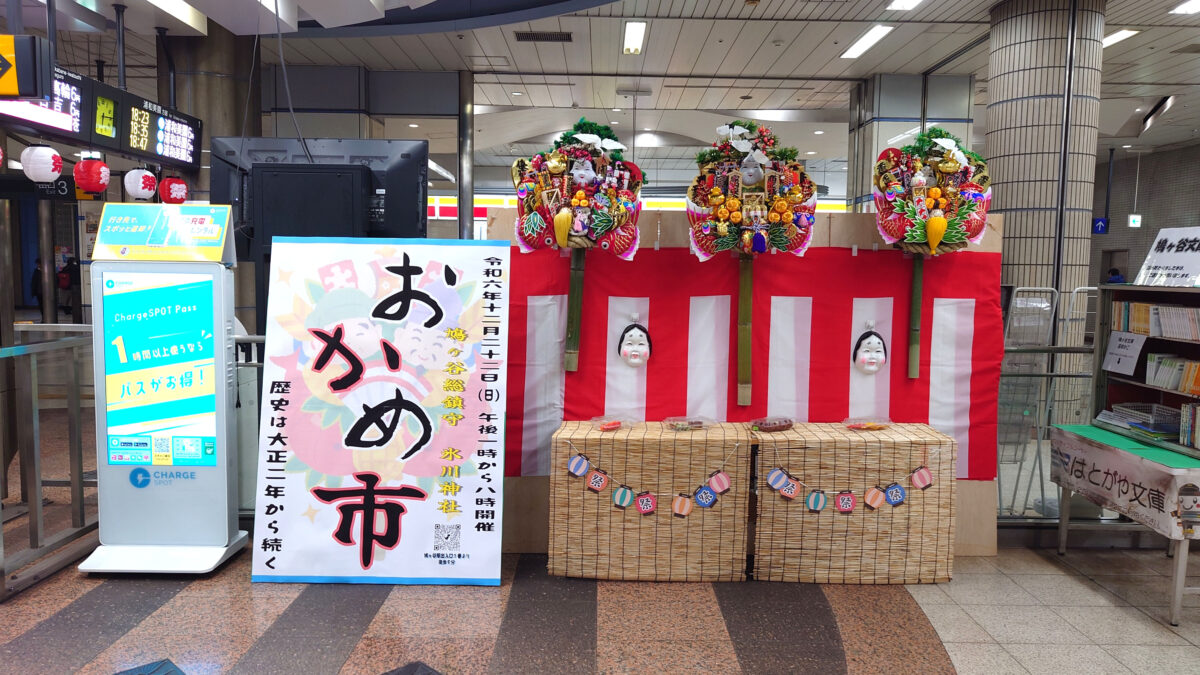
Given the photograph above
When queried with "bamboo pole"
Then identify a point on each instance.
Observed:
(745, 307)
(914, 318)
(574, 311)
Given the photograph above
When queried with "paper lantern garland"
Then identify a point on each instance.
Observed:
(646, 502)
(845, 501)
(173, 191)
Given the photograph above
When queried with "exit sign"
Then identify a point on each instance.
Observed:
(1135, 220)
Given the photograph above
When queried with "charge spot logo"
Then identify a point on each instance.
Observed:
(139, 477)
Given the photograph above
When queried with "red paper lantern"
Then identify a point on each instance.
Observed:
(646, 503)
(844, 501)
(173, 191)
(91, 175)
(790, 489)
(41, 163)
(140, 184)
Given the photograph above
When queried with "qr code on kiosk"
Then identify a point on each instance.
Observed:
(162, 444)
(446, 537)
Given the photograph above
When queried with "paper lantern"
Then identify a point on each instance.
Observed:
(140, 184)
(681, 505)
(895, 494)
(844, 501)
(921, 478)
(790, 490)
(719, 482)
(873, 497)
(91, 175)
(173, 191)
(41, 163)
(777, 478)
(578, 465)
(622, 497)
(646, 503)
(816, 501)
(705, 497)
(596, 480)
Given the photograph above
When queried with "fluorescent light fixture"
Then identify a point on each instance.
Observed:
(1126, 146)
(614, 123)
(438, 169)
(811, 152)
(88, 154)
(635, 34)
(868, 40)
(904, 4)
(412, 125)
(516, 93)
(818, 132)
(647, 129)
(1190, 7)
(1137, 110)
(1118, 36)
(616, 110)
(14, 164)
(904, 135)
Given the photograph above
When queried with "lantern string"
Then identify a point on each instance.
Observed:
(619, 482)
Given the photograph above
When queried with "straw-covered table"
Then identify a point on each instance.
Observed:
(591, 536)
(912, 542)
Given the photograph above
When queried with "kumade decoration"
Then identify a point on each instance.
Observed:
(751, 196)
(581, 194)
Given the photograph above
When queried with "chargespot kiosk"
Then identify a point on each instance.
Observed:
(162, 300)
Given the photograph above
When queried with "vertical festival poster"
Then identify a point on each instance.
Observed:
(381, 447)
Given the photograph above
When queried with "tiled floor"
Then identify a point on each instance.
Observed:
(1027, 611)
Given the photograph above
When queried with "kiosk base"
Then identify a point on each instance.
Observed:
(162, 559)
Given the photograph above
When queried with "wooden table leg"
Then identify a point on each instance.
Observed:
(1178, 579)
(1064, 517)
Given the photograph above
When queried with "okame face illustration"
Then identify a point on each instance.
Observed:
(634, 347)
(870, 353)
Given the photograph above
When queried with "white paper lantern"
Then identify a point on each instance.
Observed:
(140, 184)
(41, 163)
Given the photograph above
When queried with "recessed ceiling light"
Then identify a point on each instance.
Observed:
(1126, 146)
(818, 132)
(811, 152)
(1118, 36)
(903, 4)
(616, 110)
(412, 125)
(516, 93)
(1190, 7)
(745, 97)
(868, 40)
(647, 129)
(635, 32)
(1137, 110)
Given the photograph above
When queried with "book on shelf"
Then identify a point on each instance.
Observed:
(1158, 431)
(1173, 322)
(1168, 371)
(1187, 424)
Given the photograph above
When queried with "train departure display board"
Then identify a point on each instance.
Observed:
(89, 113)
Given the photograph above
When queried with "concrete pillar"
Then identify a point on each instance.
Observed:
(1043, 115)
(212, 78)
(888, 110)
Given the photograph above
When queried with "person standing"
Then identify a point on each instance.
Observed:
(35, 283)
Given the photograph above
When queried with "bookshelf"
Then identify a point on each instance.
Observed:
(1112, 388)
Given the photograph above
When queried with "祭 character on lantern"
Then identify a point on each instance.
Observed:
(750, 196)
(634, 346)
(870, 353)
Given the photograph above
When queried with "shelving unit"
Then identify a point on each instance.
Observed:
(1108, 387)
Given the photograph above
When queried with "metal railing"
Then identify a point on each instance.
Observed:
(47, 552)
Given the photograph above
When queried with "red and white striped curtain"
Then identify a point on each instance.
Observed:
(808, 313)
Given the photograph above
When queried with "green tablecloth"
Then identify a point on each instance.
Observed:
(1168, 458)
